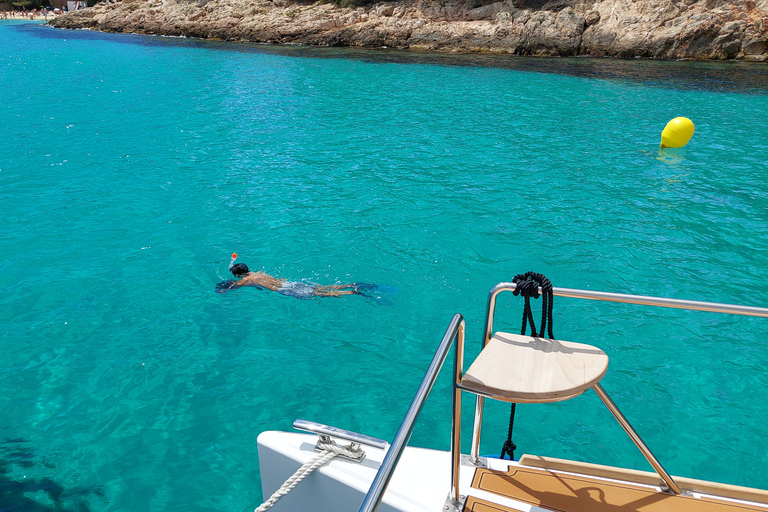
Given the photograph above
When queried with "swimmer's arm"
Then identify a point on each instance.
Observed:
(225, 286)
(258, 280)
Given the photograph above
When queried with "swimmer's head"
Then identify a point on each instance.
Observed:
(240, 269)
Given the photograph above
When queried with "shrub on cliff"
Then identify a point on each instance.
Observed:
(28, 4)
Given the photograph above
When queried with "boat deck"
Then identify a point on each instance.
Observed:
(568, 491)
(512, 368)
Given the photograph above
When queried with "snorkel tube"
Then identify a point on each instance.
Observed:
(232, 261)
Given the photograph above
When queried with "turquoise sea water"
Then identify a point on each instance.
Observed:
(132, 167)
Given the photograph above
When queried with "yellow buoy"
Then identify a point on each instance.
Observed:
(677, 133)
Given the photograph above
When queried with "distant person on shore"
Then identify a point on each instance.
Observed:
(262, 280)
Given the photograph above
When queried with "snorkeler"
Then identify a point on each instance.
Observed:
(298, 290)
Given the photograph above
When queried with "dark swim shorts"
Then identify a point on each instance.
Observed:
(297, 290)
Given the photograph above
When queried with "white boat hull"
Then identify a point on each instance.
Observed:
(421, 481)
(341, 484)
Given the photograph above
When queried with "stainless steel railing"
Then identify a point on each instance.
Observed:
(693, 305)
(456, 331)
(608, 297)
(381, 481)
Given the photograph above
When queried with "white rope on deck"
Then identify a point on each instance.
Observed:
(328, 450)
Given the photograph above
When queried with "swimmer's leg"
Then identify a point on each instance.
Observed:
(336, 287)
(336, 290)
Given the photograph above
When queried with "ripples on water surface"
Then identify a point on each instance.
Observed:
(131, 167)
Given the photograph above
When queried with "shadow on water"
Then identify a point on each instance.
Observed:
(732, 77)
(19, 493)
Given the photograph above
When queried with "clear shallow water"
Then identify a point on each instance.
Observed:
(132, 167)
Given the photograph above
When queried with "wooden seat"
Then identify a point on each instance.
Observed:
(515, 368)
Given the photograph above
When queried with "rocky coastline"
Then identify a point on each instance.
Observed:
(653, 29)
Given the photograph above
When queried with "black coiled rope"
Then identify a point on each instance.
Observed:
(528, 285)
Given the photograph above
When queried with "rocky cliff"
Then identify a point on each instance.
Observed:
(656, 29)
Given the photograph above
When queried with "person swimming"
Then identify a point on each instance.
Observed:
(298, 290)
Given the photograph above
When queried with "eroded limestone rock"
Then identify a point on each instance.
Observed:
(659, 29)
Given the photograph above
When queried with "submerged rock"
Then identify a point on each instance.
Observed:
(657, 29)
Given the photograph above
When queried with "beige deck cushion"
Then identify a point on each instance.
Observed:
(516, 368)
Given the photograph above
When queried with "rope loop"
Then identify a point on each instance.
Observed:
(351, 451)
(508, 449)
(528, 285)
(328, 450)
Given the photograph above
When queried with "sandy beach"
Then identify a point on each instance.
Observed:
(28, 15)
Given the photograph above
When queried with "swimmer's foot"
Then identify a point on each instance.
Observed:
(363, 288)
(373, 292)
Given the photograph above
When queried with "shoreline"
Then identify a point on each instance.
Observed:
(687, 30)
(29, 17)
